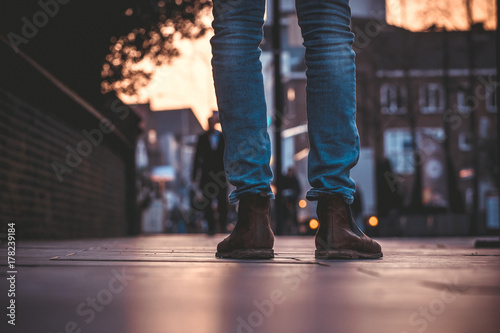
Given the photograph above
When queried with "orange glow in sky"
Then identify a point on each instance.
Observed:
(185, 83)
(417, 15)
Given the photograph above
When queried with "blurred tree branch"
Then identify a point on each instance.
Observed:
(158, 25)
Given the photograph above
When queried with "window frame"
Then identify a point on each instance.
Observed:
(390, 106)
(427, 98)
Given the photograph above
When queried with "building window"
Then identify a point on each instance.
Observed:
(464, 102)
(290, 94)
(398, 147)
(392, 99)
(465, 141)
(491, 98)
(431, 98)
(152, 136)
(485, 131)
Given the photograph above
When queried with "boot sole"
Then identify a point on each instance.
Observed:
(247, 254)
(346, 254)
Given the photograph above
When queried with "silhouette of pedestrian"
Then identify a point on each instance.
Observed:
(212, 182)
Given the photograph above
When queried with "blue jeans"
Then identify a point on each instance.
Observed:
(331, 95)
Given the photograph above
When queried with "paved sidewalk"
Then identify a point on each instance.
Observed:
(174, 283)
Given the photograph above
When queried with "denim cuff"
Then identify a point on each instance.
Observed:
(234, 197)
(314, 194)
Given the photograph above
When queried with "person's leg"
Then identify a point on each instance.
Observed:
(333, 136)
(331, 96)
(239, 87)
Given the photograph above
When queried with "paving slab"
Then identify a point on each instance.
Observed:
(174, 283)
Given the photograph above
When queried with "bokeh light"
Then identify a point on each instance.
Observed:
(373, 221)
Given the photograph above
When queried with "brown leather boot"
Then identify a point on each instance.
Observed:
(252, 237)
(338, 235)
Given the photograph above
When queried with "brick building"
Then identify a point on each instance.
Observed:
(426, 111)
(436, 114)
